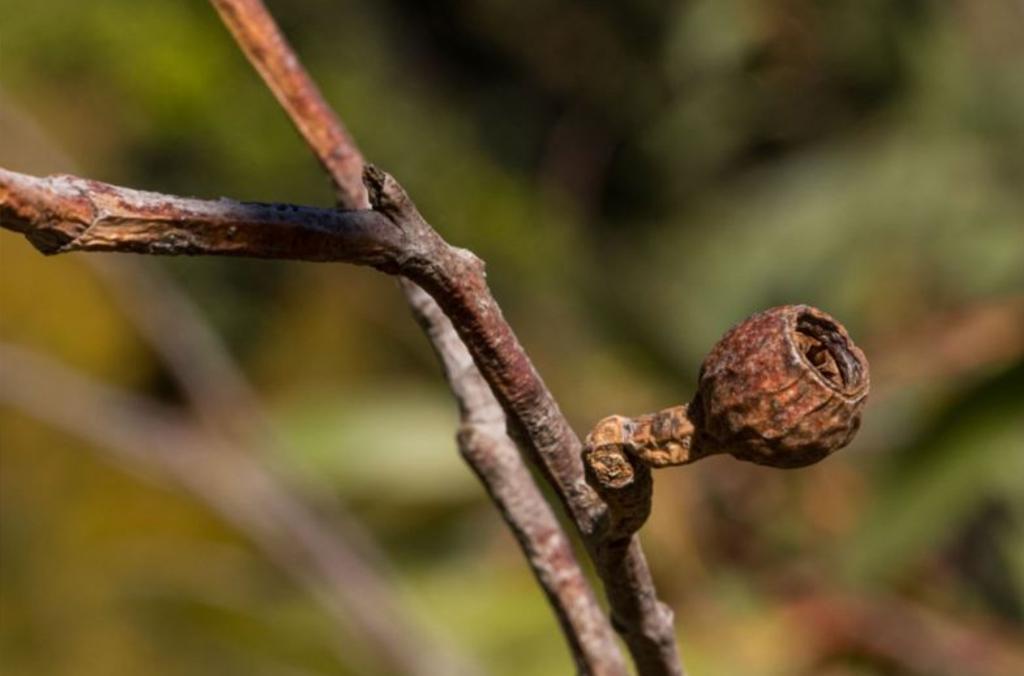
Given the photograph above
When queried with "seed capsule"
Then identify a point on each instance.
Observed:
(784, 388)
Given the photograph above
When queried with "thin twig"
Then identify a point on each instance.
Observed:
(265, 46)
(161, 443)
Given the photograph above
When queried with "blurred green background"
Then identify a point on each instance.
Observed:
(639, 176)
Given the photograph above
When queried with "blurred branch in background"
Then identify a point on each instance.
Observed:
(217, 392)
(161, 443)
(188, 347)
(952, 344)
(902, 637)
(333, 557)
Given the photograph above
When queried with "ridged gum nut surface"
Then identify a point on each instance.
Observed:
(784, 388)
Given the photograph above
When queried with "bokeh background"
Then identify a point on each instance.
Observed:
(639, 176)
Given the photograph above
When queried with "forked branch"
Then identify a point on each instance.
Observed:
(63, 214)
(483, 440)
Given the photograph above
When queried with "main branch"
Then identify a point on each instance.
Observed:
(486, 447)
(60, 214)
(63, 214)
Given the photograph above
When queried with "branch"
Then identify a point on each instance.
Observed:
(645, 623)
(487, 448)
(60, 214)
(224, 401)
(483, 442)
(63, 214)
(453, 277)
(161, 443)
(268, 51)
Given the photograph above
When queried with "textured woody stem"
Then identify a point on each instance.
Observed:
(456, 280)
(268, 51)
(483, 440)
(486, 447)
(62, 214)
(645, 623)
(59, 217)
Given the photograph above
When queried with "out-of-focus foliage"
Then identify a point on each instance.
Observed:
(639, 176)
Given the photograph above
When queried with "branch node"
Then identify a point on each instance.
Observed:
(386, 194)
(624, 483)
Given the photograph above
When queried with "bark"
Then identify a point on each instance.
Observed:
(495, 459)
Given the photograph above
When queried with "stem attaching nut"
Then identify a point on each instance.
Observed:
(784, 388)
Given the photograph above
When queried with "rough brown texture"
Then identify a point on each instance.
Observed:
(621, 478)
(61, 214)
(658, 439)
(784, 388)
(495, 459)
(64, 214)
